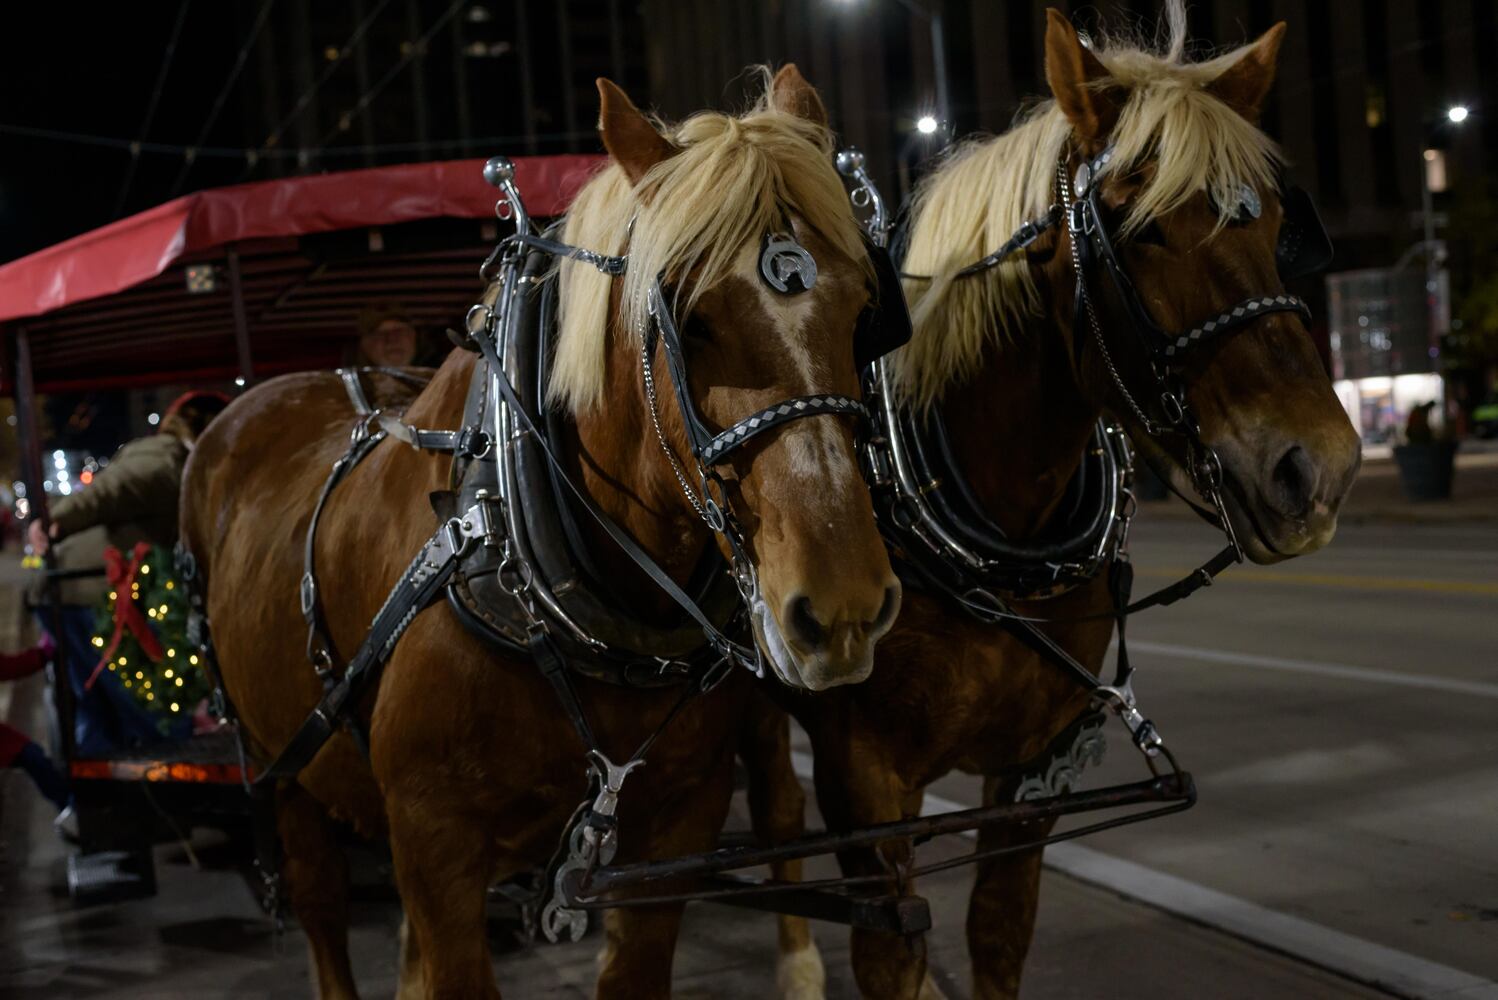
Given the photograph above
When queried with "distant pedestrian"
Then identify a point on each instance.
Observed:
(132, 499)
(19, 750)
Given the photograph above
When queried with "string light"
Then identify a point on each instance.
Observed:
(153, 592)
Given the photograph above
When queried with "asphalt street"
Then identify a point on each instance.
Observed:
(1336, 712)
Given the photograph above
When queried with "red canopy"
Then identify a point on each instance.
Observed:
(302, 291)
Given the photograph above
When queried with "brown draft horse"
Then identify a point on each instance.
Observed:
(473, 768)
(996, 355)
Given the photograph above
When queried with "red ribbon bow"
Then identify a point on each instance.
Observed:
(127, 615)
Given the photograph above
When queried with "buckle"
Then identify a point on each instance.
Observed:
(1174, 409)
(308, 594)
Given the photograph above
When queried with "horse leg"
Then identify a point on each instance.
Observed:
(640, 942)
(777, 811)
(316, 873)
(443, 860)
(412, 984)
(859, 794)
(1001, 910)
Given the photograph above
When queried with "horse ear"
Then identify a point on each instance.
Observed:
(1073, 73)
(1244, 85)
(627, 134)
(790, 93)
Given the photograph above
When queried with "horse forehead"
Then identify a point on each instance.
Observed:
(788, 314)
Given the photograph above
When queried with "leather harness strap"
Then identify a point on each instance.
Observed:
(417, 587)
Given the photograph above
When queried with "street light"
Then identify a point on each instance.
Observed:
(1433, 162)
(926, 125)
(931, 10)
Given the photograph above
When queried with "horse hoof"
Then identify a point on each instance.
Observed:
(929, 990)
(800, 975)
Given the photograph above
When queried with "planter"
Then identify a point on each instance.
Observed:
(1425, 469)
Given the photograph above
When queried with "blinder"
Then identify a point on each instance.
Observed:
(709, 448)
(884, 325)
(1304, 247)
(1301, 236)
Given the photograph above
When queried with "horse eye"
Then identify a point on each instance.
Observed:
(696, 329)
(1150, 233)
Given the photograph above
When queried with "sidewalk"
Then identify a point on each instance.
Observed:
(1377, 496)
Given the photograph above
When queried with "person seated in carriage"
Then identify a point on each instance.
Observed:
(389, 338)
(131, 500)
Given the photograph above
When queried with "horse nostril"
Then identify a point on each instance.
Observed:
(1293, 484)
(888, 608)
(803, 624)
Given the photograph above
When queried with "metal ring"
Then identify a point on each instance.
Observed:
(860, 197)
(904, 513)
(504, 210)
(713, 514)
(482, 309)
(518, 570)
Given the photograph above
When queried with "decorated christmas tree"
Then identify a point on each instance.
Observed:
(141, 635)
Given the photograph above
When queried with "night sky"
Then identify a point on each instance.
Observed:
(90, 69)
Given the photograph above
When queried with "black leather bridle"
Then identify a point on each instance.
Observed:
(1092, 248)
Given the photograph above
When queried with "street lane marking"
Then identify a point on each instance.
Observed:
(1341, 671)
(1345, 580)
(1475, 554)
(1352, 957)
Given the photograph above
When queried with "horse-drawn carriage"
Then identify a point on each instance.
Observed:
(224, 288)
(663, 484)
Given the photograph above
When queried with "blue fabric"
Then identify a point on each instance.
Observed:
(108, 718)
(49, 780)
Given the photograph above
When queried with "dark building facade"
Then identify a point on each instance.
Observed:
(1362, 90)
(264, 88)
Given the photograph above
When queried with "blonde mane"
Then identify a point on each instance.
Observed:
(988, 187)
(734, 179)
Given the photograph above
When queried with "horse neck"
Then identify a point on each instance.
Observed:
(1019, 426)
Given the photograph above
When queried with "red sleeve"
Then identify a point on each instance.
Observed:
(14, 666)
